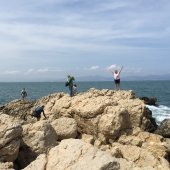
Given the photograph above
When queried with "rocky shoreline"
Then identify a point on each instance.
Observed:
(95, 130)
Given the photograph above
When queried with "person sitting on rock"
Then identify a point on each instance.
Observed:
(37, 112)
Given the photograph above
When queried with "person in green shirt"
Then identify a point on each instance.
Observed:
(70, 80)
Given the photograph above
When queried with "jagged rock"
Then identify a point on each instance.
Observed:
(65, 128)
(141, 148)
(18, 109)
(38, 164)
(113, 122)
(141, 157)
(149, 101)
(10, 137)
(73, 154)
(39, 136)
(87, 138)
(90, 109)
(6, 166)
(164, 128)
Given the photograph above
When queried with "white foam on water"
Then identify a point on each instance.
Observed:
(160, 112)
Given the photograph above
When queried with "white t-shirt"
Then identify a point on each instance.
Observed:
(116, 76)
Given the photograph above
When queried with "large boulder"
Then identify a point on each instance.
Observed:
(149, 100)
(164, 128)
(40, 136)
(73, 154)
(65, 128)
(10, 138)
(114, 121)
(94, 107)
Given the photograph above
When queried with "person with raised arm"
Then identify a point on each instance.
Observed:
(116, 76)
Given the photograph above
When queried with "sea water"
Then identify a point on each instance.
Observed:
(35, 90)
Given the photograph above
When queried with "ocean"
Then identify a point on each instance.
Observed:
(36, 90)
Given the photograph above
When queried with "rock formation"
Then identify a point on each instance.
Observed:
(164, 128)
(10, 138)
(98, 129)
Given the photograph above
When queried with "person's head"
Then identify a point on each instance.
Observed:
(68, 76)
(116, 71)
(43, 106)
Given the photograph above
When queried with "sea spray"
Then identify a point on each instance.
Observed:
(160, 112)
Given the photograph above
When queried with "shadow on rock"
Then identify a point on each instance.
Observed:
(25, 157)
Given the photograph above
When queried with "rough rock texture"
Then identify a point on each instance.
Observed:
(38, 164)
(149, 101)
(18, 109)
(73, 154)
(10, 137)
(39, 136)
(65, 128)
(87, 138)
(164, 128)
(142, 148)
(6, 166)
(92, 108)
(115, 122)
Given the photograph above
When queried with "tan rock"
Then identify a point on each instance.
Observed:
(38, 164)
(87, 138)
(114, 121)
(6, 166)
(10, 137)
(74, 154)
(141, 157)
(40, 136)
(18, 109)
(65, 128)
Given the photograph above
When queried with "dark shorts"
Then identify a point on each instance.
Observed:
(117, 81)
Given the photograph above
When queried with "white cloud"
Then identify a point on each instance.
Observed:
(43, 70)
(94, 68)
(66, 31)
(11, 72)
(30, 71)
(111, 67)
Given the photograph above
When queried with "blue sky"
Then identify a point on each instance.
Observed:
(44, 40)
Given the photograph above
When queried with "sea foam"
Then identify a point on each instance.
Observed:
(160, 112)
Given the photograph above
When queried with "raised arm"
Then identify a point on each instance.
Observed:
(121, 69)
(112, 72)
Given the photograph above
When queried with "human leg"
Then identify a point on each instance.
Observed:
(71, 90)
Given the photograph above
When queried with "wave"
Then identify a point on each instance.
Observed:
(160, 112)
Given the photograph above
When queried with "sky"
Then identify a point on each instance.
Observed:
(45, 40)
